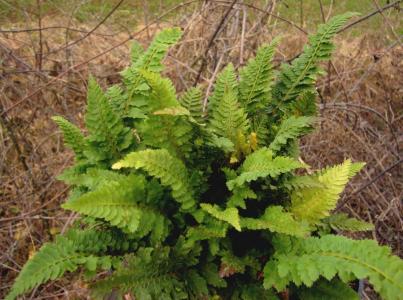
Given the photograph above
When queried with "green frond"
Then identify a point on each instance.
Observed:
(99, 241)
(229, 120)
(149, 274)
(117, 99)
(334, 289)
(73, 137)
(253, 292)
(276, 220)
(151, 59)
(337, 255)
(162, 94)
(229, 215)
(119, 203)
(302, 182)
(261, 164)
(257, 78)
(301, 75)
(136, 51)
(50, 262)
(305, 104)
(342, 221)
(226, 80)
(172, 111)
(314, 203)
(192, 100)
(211, 274)
(169, 169)
(290, 130)
(239, 195)
(196, 284)
(214, 229)
(92, 178)
(355, 169)
(108, 136)
(173, 133)
(231, 264)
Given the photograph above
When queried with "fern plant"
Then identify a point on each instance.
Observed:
(176, 203)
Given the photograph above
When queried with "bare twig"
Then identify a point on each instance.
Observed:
(89, 32)
(366, 17)
(79, 65)
(210, 42)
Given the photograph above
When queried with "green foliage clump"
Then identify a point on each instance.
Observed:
(179, 203)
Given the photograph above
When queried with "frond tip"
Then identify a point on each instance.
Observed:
(314, 203)
(73, 136)
(50, 262)
(229, 215)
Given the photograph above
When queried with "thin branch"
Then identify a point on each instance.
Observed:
(89, 32)
(210, 42)
(16, 31)
(366, 17)
(79, 65)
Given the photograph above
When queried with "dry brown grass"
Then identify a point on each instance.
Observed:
(361, 117)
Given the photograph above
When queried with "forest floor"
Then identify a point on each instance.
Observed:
(44, 71)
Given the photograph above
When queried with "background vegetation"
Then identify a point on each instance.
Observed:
(48, 48)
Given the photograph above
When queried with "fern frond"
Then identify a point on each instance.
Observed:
(118, 99)
(92, 178)
(342, 221)
(136, 51)
(210, 273)
(228, 119)
(256, 79)
(50, 262)
(173, 133)
(73, 137)
(226, 80)
(337, 255)
(314, 203)
(276, 220)
(192, 101)
(301, 182)
(163, 93)
(305, 104)
(214, 229)
(119, 203)
(355, 169)
(229, 215)
(290, 130)
(99, 241)
(196, 284)
(137, 88)
(152, 57)
(231, 264)
(239, 195)
(261, 164)
(147, 275)
(262, 127)
(108, 136)
(301, 75)
(253, 292)
(334, 289)
(169, 169)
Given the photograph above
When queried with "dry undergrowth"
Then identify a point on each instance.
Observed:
(361, 117)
